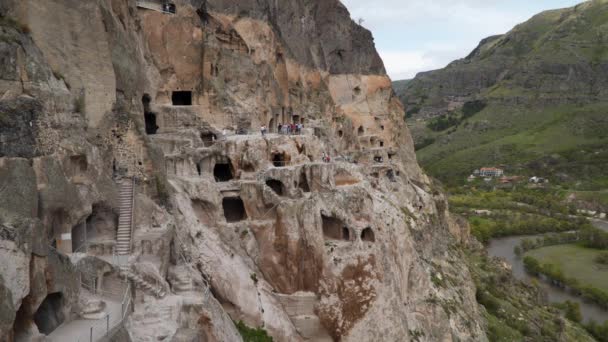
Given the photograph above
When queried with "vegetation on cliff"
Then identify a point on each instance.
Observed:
(543, 89)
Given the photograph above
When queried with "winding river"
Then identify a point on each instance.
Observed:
(503, 248)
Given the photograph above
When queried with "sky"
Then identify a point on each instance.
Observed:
(421, 35)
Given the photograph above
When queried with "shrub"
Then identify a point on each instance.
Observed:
(602, 258)
(251, 334)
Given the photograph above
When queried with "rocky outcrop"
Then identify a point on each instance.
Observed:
(557, 57)
(228, 224)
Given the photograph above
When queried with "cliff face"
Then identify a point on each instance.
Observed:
(98, 95)
(545, 74)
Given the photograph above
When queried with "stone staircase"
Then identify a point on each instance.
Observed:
(125, 222)
(156, 290)
(181, 280)
(300, 309)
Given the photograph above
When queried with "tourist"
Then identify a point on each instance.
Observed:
(263, 130)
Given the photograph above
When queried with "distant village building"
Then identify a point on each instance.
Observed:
(489, 172)
(538, 180)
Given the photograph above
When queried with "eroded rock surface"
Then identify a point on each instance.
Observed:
(227, 224)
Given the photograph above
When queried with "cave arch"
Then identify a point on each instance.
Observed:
(234, 209)
(149, 116)
(277, 186)
(222, 172)
(368, 235)
(50, 315)
(334, 228)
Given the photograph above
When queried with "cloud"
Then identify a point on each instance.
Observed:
(419, 35)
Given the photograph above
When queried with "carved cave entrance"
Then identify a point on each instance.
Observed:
(149, 116)
(279, 159)
(181, 98)
(208, 139)
(368, 235)
(49, 315)
(234, 209)
(223, 172)
(361, 130)
(335, 229)
(276, 186)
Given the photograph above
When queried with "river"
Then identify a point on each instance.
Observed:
(503, 248)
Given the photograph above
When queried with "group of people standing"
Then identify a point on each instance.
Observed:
(290, 128)
(285, 129)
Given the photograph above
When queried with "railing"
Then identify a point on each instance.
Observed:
(104, 327)
(133, 184)
(180, 252)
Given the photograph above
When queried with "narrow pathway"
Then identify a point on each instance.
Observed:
(125, 222)
(79, 330)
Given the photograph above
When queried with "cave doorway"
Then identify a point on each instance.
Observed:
(151, 126)
(360, 131)
(368, 235)
(222, 172)
(296, 119)
(276, 186)
(79, 237)
(334, 228)
(234, 209)
(272, 126)
(279, 160)
(181, 98)
(149, 117)
(49, 315)
(208, 139)
(303, 182)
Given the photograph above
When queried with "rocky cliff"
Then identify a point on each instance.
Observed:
(545, 74)
(137, 188)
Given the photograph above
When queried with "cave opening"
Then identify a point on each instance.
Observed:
(149, 116)
(276, 186)
(198, 169)
(49, 315)
(361, 130)
(368, 235)
(296, 119)
(181, 98)
(208, 139)
(378, 159)
(340, 133)
(223, 172)
(272, 128)
(334, 228)
(234, 209)
(381, 143)
(79, 236)
(303, 182)
(278, 159)
(151, 126)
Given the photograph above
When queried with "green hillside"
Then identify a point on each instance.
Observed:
(534, 100)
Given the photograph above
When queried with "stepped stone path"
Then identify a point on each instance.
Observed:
(125, 222)
(300, 308)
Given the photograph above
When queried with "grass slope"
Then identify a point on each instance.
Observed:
(571, 138)
(575, 261)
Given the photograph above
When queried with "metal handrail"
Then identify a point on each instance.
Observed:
(132, 213)
(180, 251)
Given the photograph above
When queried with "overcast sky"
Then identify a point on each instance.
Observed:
(421, 35)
